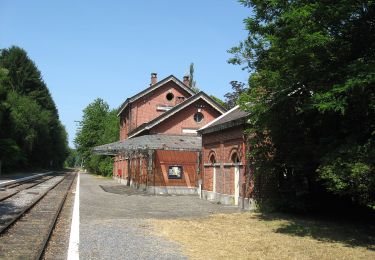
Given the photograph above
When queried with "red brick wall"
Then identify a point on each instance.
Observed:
(185, 119)
(120, 167)
(124, 124)
(223, 144)
(207, 177)
(144, 109)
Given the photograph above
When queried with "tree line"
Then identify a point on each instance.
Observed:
(31, 134)
(99, 125)
(311, 100)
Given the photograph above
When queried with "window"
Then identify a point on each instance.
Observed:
(235, 158)
(189, 131)
(169, 96)
(175, 172)
(163, 108)
(212, 159)
(198, 117)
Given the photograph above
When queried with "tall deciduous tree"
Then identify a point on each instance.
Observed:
(99, 125)
(312, 91)
(231, 98)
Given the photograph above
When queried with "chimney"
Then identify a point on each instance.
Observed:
(186, 80)
(154, 78)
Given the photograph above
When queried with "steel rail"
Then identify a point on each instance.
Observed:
(27, 187)
(37, 211)
(52, 226)
(8, 224)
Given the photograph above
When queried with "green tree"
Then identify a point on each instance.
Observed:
(231, 98)
(192, 82)
(193, 86)
(218, 100)
(99, 125)
(10, 152)
(30, 122)
(73, 159)
(31, 134)
(25, 78)
(312, 95)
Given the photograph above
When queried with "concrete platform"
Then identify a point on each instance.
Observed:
(113, 220)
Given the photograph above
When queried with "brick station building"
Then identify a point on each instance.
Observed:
(159, 148)
(226, 177)
(175, 141)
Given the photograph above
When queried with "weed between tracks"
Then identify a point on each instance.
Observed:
(256, 236)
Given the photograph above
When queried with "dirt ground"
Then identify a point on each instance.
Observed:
(274, 236)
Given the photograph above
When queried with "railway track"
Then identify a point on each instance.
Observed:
(28, 217)
(9, 190)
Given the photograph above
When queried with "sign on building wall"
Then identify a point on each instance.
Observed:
(175, 172)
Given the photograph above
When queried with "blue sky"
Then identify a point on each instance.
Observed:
(107, 49)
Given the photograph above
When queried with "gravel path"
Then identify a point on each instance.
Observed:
(115, 225)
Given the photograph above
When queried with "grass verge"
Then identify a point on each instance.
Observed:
(275, 236)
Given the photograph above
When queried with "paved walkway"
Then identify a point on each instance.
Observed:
(114, 217)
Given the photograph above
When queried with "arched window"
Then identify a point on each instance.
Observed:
(235, 158)
(212, 158)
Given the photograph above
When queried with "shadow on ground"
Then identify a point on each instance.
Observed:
(352, 234)
(130, 191)
(123, 190)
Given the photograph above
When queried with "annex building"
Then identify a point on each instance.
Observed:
(176, 141)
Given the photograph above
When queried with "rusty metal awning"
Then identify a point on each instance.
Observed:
(152, 142)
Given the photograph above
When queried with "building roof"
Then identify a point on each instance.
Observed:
(152, 142)
(152, 88)
(234, 117)
(174, 110)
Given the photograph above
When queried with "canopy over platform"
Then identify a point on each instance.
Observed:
(151, 142)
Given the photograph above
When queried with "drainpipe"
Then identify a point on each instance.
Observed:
(199, 155)
(154, 171)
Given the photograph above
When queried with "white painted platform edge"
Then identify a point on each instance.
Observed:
(73, 251)
(3, 183)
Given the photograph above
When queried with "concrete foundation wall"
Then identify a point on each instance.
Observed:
(120, 180)
(176, 190)
(225, 199)
(218, 197)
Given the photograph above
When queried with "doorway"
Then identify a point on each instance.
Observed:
(213, 162)
(236, 162)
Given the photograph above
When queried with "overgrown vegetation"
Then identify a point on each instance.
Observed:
(31, 134)
(73, 160)
(99, 125)
(312, 99)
